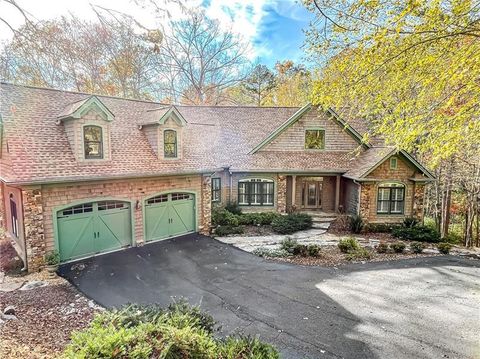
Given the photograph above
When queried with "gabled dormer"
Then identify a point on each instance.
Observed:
(164, 127)
(88, 125)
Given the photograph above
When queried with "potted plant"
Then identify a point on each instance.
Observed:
(52, 260)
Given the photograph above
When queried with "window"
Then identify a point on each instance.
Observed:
(314, 139)
(104, 205)
(92, 142)
(393, 163)
(180, 196)
(14, 215)
(390, 198)
(170, 144)
(255, 192)
(216, 189)
(79, 209)
(158, 199)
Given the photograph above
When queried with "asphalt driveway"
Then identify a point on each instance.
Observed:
(422, 308)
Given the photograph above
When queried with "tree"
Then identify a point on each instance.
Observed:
(201, 60)
(259, 83)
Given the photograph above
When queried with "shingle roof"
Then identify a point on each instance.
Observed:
(214, 137)
(366, 160)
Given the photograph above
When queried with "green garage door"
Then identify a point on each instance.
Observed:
(94, 227)
(169, 215)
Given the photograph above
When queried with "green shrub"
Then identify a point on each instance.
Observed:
(444, 247)
(262, 218)
(142, 332)
(380, 227)
(417, 247)
(247, 348)
(382, 247)
(272, 253)
(410, 222)
(222, 231)
(356, 224)
(418, 233)
(358, 254)
(313, 250)
(288, 244)
(222, 217)
(398, 247)
(452, 238)
(300, 250)
(291, 223)
(233, 207)
(52, 258)
(348, 245)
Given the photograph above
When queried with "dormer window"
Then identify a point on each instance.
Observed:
(93, 142)
(170, 144)
(315, 139)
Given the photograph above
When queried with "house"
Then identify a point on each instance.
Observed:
(88, 174)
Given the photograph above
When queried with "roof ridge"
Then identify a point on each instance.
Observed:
(239, 106)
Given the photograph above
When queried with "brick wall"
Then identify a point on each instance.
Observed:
(293, 138)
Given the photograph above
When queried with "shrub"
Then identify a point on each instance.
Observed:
(233, 208)
(444, 247)
(356, 223)
(288, 244)
(359, 254)
(222, 217)
(398, 247)
(452, 238)
(410, 222)
(382, 247)
(313, 250)
(52, 258)
(300, 250)
(222, 231)
(348, 245)
(262, 218)
(272, 253)
(418, 233)
(417, 247)
(291, 223)
(180, 331)
(380, 227)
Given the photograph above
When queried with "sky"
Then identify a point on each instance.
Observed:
(273, 28)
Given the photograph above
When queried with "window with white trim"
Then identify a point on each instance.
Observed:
(256, 192)
(391, 198)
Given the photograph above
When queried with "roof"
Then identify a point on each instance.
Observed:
(214, 137)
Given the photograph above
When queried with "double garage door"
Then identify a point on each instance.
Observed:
(97, 227)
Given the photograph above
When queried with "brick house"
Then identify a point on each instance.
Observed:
(87, 174)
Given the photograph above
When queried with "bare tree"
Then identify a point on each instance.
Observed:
(200, 60)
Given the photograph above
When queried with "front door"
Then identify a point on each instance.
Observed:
(312, 194)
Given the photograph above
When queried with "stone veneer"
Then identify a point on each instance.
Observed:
(282, 194)
(33, 222)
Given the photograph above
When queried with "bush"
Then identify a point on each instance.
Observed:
(300, 250)
(313, 250)
(380, 227)
(222, 217)
(222, 231)
(291, 223)
(288, 244)
(180, 331)
(272, 253)
(262, 218)
(382, 247)
(418, 233)
(417, 247)
(444, 247)
(348, 245)
(398, 247)
(410, 222)
(452, 238)
(358, 254)
(356, 224)
(233, 208)
(52, 258)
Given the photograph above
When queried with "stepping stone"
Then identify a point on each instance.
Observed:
(10, 287)
(321, 225)
(34, 284)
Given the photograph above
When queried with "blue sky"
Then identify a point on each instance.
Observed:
(273, 28)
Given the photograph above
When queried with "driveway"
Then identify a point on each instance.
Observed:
(424, 308)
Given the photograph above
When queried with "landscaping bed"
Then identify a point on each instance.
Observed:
(45, 317)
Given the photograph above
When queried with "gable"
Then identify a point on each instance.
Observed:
(90, 105)
(407, 167)
(292, 137)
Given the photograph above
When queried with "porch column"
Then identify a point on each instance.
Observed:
(337, 193)
(294, 188)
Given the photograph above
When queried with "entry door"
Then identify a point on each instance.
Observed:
(169, 215)
(312, 194)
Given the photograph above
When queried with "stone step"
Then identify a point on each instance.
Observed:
(321, 225)
(323, 219)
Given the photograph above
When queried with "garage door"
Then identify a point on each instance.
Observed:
(169, 215)
(93, 227)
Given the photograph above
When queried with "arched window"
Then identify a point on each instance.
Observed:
(391, 198)
(14, 215)
(170, 144)
(93, 142)
(255, 192)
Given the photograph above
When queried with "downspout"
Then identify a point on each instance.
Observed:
(359, 195)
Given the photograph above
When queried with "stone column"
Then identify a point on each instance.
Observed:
(282, 194)
(206, 203)
(366, 194)
(417, 201)
(35, 245)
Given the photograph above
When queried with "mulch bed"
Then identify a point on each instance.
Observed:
(46, 317)
(253, 231)
(331, 256)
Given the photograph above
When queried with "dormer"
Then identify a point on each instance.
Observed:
(88, 125)
(164, 127)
